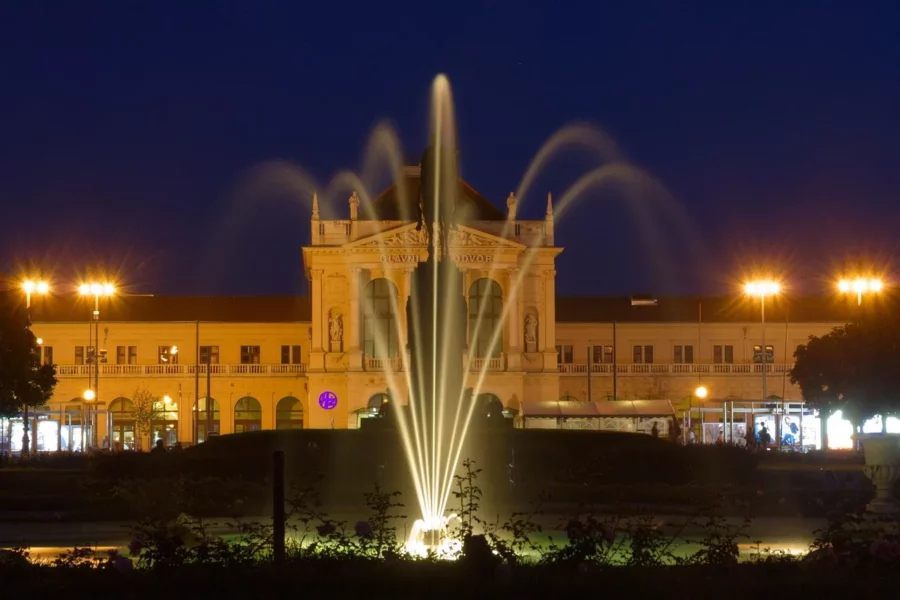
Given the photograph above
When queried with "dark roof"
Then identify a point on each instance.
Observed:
(232, 309)
(685, 309)
(389, 206)
(287, 309)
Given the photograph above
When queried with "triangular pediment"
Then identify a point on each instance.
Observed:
(406, 236)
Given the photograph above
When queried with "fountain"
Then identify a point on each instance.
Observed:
(436, 312)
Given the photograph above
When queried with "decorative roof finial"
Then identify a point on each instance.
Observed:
(549, 205)
(315, 209)
(511, 204)
(354, 206)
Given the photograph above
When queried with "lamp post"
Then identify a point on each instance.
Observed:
(700, 393)
(97, 290)
(860, 286)
(31, 287)
(761, 289)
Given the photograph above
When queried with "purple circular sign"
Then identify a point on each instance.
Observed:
(327, 400)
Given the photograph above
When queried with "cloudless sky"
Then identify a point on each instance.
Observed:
(126, 127)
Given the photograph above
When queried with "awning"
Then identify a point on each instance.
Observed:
(603, 408)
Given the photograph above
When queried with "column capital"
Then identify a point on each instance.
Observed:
(316, 273)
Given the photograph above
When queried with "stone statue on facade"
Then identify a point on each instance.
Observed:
(531, 325)
(435, 214)
(336, 330)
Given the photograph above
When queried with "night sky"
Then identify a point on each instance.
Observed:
(127, 128)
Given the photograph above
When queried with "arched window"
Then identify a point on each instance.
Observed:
(377, 400)
(123, 423)
(289, 413)
(200, 412)
(380, 328)
(247, 415)
(485, 312)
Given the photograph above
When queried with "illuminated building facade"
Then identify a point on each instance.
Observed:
(327, 360)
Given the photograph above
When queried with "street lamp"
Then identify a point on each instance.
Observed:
(860, 286)
(89, 395)
(762, 288)
(31, 287)
(97, 290)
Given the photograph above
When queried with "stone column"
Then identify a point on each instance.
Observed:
(317, 352)
(514, 352)
(354, 322)
(404, 289)
(548, 321)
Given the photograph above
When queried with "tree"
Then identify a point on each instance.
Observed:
(855, 369)
(24, 381)
(146, 409)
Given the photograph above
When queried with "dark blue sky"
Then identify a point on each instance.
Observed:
(126, 126)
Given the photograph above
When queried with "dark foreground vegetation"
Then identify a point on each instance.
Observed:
(174, 555)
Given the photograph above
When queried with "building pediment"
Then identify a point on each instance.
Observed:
(408, 237)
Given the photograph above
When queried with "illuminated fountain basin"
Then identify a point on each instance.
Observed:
(432, 537)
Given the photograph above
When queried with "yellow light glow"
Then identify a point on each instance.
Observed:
(167, 399)
(84, 289)
(89, 395)
(43, 287)
(96, 289)
(173, 350)
(40, 341)
(28, 286)
(844, 285)
(109, 289)
(765, 287)
(701, 392)
(875, 285)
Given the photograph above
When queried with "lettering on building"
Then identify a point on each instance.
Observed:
(400, 258)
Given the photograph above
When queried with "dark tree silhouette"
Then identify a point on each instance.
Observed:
(854, 369)
(24, 382)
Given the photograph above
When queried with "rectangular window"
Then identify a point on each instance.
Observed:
(296, 355)
(565, 355)
(648, 354)
(249, 355)
(121, 356)
(132, 355)
(602, 354)
(168, 355)
(48, 355)
(758, 357)
(723, 354)
(638, 354)
(683, 355)
(79, 355)
(290, 355)
(209, 355)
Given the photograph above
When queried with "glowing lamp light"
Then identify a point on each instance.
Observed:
(89, 395)
(84, 289)
(860, 286)
(29, 287)
(701, 392)
(167, 399)
(174, 350)
(43, 287)
(328, 400)
(40, 341)
(762, 288)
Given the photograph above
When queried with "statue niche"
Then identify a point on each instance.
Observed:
(531, 333)
(336, 332)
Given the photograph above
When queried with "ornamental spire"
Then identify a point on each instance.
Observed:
(315, 209)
